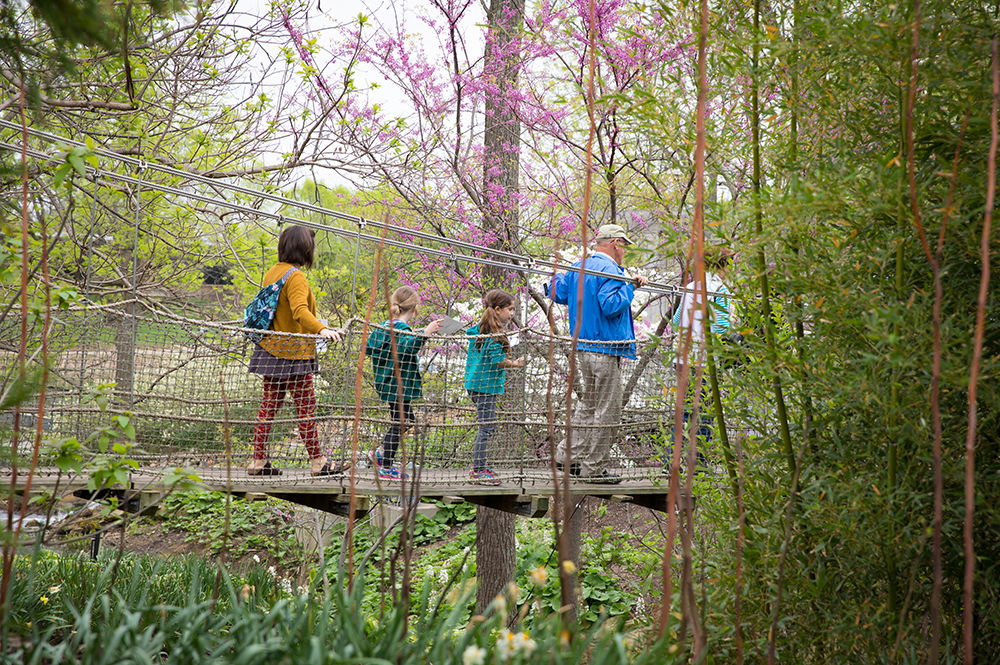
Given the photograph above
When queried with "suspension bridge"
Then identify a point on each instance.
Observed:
(182, 389)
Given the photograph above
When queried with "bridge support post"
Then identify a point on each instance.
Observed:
(313, 531)
(519, 504)
(386, 514)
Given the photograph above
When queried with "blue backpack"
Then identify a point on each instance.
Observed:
(259, 314)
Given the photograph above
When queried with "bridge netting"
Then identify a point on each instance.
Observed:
(183, 385)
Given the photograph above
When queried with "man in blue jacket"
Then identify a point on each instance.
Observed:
(606, 336)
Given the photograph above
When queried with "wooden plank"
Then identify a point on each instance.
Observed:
(528, 494)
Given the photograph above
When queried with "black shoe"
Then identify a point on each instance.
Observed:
(574, 468)
(603, 478)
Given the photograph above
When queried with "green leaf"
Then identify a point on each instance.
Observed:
(60, 175)
(76, 161)
(22, 389)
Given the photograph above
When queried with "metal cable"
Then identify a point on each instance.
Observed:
(517, 263)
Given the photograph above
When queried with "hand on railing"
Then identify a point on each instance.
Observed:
(333, 334)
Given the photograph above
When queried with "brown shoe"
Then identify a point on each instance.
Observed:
(265, 469)
(327, 469)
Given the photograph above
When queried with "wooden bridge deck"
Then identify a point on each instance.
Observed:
(523, 492)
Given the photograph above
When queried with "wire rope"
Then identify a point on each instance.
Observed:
(516, 262)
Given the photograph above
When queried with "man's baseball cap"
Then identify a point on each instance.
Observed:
(609, 231)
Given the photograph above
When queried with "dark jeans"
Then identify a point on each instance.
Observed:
(401, 414)
(705, 422)
(486, 414)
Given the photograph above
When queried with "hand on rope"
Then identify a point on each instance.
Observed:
(333, 334)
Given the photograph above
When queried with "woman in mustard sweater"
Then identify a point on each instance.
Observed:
(288, 363)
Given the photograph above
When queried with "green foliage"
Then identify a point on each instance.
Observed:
(430, 529)
(605, 560)
(71, 22)
(140, 608)
(74, 163)
(250, 526)
(21, 388)
(845, 266)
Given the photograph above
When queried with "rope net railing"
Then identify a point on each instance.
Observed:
(186, 388)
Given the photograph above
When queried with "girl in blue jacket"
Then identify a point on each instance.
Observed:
(485, 375)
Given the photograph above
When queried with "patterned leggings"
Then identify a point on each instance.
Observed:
(275, 387)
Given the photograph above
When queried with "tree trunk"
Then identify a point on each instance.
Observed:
(495, 553)
(502, 135)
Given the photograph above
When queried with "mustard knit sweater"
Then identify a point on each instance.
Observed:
(296, 313)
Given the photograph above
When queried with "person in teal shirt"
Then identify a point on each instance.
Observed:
(486, 374)
(397, 393)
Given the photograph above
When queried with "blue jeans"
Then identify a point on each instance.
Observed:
(400, 413)
(486, 414)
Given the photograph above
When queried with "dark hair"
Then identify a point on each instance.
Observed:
(296, 245)
(717, 257)
(489, 324)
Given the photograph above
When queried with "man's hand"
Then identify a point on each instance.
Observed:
(641, 281)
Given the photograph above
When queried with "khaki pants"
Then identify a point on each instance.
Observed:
(597, 414)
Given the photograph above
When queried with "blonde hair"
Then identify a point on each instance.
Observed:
(489, 323)
(403, 299)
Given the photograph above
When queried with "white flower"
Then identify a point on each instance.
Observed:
(286, 586)
(273, 571)
(500, 604)
(256, 559)
(505, 645)
(524, 643)
(510, 644)
(539, 576)
(473, 655)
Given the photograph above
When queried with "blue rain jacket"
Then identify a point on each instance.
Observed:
(607, 306)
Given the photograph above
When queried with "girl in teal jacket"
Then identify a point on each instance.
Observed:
(485, 375)
(397, 393)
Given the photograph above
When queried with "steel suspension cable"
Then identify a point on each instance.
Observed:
(527, 265)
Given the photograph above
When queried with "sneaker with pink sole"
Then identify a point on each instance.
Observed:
(484, 477)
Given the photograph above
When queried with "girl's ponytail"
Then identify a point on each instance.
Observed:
(490, 324)
(402, 300)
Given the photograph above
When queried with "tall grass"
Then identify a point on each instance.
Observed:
(187, 610)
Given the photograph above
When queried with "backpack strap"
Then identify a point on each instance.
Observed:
(288, 273)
